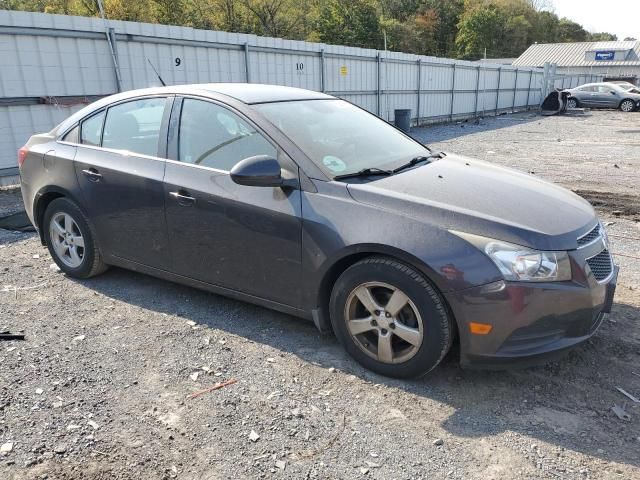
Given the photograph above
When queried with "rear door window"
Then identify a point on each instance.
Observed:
(213, 136)
(91, 129)
(134, 126)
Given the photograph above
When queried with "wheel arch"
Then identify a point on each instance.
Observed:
(43, 198)
(353, 255)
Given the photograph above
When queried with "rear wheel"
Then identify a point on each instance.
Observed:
(627, 105)
(572, 103)
(70, 240)
(390, 318)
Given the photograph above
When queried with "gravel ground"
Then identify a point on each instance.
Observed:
(102, 386)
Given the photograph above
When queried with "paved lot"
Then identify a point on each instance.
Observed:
(101, 387)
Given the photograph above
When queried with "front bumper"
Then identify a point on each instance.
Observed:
(531, 322)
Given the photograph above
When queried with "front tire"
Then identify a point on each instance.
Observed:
(572, 103)
(627, 106)
(390, 318)
(70, 240)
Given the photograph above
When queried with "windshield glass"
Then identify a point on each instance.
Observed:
(339, 137)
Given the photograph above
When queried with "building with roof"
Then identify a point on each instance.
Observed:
(615, 60)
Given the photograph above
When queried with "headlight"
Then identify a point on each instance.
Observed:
(518, 263)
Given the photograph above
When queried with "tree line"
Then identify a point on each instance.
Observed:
(466, 29)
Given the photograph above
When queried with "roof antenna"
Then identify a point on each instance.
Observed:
(157, 74)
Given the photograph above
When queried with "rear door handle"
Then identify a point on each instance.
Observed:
(93, 174)
(183, 198)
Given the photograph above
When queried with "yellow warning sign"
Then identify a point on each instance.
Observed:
(343, 70)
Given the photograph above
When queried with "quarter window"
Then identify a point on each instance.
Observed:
(212, 136)
(92, 129)
(134, 126)
(72, 135)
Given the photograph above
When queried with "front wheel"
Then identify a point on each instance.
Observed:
(390, 318)
(627, 105)
(70, 240)
(572, 103)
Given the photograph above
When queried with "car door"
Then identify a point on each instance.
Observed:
(608, 97)
(239, 237)
(587, 96)
(120, 172)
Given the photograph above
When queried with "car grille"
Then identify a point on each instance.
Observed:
(601, 265)
(589, 237)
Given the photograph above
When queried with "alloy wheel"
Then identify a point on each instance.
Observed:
(571, 103)
(384, 322)
(67, 239)
(626, 106)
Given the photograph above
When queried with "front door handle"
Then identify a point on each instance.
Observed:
(183, 198)
(92, 174)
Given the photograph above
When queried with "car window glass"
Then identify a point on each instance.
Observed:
(603, 89)
(72, 135)
(213, 136)
(339, 137)
(92, 129)
(134, 126)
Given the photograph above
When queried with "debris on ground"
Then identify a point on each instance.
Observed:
(217, 386)
(628, 395)
(620, 413)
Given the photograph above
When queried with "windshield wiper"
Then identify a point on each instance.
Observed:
(365, 172)
(419, 159)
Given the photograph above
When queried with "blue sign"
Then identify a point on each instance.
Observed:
(605, 55)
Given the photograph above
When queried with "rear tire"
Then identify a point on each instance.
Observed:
(70, 240)
(627, 106)
(572, 103)
(390, 318)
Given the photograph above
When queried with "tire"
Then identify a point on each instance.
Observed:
(423, 318)
(627, 105)
(572, 103)
(67, 230)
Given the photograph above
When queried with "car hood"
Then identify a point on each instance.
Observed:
(468, 195)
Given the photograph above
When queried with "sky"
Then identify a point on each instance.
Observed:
(621, 17)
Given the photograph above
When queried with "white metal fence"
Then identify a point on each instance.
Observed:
(54, 64)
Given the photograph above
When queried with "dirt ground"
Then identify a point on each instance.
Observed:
(101, 387)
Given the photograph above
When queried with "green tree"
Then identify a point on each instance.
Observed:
(349, 22)
(602, 37)
(479, 29)
(570, 31)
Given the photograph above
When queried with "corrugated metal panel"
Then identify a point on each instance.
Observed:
(579, 54)
(56, 55)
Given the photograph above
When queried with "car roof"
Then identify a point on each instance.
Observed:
(249, 93)
(259, 93)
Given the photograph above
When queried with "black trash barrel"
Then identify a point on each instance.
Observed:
(403, 119)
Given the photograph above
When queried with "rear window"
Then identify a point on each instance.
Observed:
(134, 126)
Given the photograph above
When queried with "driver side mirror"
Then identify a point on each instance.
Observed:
(258, 171)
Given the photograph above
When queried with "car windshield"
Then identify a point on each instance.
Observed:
(341, 138)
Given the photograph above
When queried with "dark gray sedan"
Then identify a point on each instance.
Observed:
(304, 203)
(603, 95)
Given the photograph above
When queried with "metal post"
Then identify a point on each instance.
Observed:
(515, 93)
(475, 114)
(246, 62)
(379, 83)
(322, 87)
(419, 89)
(111, 38)
(498, 90)
(529, 90)
(453, 91)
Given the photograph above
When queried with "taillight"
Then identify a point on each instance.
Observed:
(22, 154)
